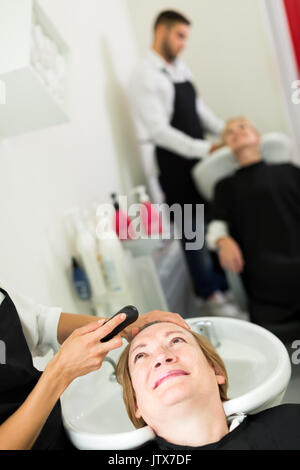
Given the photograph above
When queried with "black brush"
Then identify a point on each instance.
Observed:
(131, 316)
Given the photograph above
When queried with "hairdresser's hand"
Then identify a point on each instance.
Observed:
(230, 255)
(82, 352)
(154, 315)
(215, 147)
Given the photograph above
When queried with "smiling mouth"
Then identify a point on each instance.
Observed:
(172, 373)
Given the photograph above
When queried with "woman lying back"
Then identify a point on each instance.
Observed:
(175, 382)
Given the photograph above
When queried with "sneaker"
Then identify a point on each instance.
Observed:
(229, 296)
(218, 305)
(233, 311)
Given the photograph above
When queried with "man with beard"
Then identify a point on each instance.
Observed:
(173, 119)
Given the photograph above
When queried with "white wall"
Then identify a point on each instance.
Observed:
(46, 172)
(229, 53)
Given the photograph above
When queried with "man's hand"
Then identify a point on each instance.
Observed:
(156, 315)
(230, 255)
(215, 147)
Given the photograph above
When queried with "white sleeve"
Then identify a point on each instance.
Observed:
(39, 324)
(212, 123)
(216, 230)
(154, 117)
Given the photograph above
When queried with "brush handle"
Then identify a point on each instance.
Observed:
(131, 316)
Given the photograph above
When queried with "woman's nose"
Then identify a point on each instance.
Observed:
(164, 358)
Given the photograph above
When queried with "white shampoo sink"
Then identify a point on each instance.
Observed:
(258, 367)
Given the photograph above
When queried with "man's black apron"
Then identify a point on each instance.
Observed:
(178, 185)
(18, 377)
(175, 171)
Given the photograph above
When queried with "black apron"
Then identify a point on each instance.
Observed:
(175, 171)
(18, 376)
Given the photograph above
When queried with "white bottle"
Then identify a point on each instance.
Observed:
(113, 262)
(87, 249)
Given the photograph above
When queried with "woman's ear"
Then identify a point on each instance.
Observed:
(219, 376)
(220, 379)
(137, 413)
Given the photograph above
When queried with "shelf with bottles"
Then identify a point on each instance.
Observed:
(115, 276)
(142, 233)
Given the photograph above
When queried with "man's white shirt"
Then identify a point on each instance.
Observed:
(152, 96)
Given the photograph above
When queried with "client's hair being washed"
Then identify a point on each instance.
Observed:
(124, 379)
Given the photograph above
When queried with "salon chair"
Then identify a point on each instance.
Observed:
(275, 148)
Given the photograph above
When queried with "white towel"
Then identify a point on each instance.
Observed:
(235, 420)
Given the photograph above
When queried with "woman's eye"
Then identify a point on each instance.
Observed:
(138, 356)
(177, 340)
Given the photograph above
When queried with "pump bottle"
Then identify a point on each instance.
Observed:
(80, 281)
(87, 249)
(112, 259)
(149, 216)
(122, 221)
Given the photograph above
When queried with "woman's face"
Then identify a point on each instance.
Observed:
(167, 367)
(239, 134)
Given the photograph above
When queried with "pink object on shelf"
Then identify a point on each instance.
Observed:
(121, 222)
(150, 219)
(149, 215)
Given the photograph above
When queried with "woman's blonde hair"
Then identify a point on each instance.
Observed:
(238, 118)
(124, 379)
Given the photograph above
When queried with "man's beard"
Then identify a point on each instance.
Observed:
(166, 49)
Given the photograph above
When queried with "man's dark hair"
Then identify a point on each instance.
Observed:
(169, 18)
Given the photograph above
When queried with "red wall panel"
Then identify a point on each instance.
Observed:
(292, 8)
